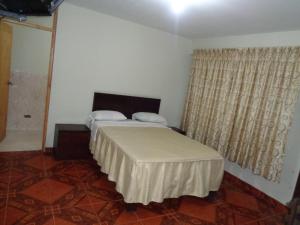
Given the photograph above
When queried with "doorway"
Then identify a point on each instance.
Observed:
(28, 84)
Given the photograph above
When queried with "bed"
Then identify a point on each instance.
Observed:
(149, 162)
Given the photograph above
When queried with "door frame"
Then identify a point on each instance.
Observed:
(52, 30)
(6, 38)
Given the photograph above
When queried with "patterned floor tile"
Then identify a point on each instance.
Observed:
(3, 201)
(2, 214)
(18, 156)
(97, 176)
(267, 221)
(40, 192)
(49, 162)
(19, 217)
(174, 204)
(96, 201)
(40, 162)
(43, 192)
(161, 220)
(97, 208)
(241, 199)
(4, 173)
(18, 168)
(153, 210)
(279, 209)
(126, 217)
(18, 162)
(134, 223)
(270, 204)
(246, 208)
(4, 157)
(198, 209)
(4, 181)
(244, 218)
(75, 216)
(217, 214)
(144, 213)
(74, 198)
(184, 219)
(102, 183)
(3, 204)
(116, 213)
(17, 177)
(102, 189)
(35, 162)
(65, 168)
(36, 189)
(47, 190)
(86, 167)
(14, 215)
(26, 203)
(66, 179)
(5, 168)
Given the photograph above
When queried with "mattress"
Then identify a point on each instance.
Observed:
(149, 162)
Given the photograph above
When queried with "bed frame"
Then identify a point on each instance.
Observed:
(125, 104)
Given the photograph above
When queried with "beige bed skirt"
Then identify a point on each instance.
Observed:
(142, 177)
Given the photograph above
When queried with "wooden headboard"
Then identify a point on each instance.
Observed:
(125, 104)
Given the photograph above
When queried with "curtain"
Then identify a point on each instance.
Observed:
(241, 102)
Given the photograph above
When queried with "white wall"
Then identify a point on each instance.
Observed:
(96, 52)
(289, 38)
(284, 190)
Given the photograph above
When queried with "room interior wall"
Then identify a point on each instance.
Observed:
(29, 70)
(282, 191)
(97, 52)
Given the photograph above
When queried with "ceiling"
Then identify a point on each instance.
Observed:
(210, 18)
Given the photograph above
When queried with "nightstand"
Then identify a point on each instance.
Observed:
(178, 130)
(71, 141)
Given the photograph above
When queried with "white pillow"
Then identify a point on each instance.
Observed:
(149, 117)
(107, 115)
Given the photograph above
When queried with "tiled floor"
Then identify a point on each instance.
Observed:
(37, 190)
(21, 140)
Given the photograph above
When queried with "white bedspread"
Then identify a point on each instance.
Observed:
(94, 125)
(150, 163)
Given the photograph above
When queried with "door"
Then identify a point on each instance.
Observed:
(5, 61)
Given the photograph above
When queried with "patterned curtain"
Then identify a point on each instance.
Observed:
(241, 102)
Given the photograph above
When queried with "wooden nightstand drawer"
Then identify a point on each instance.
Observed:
(71, 141)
